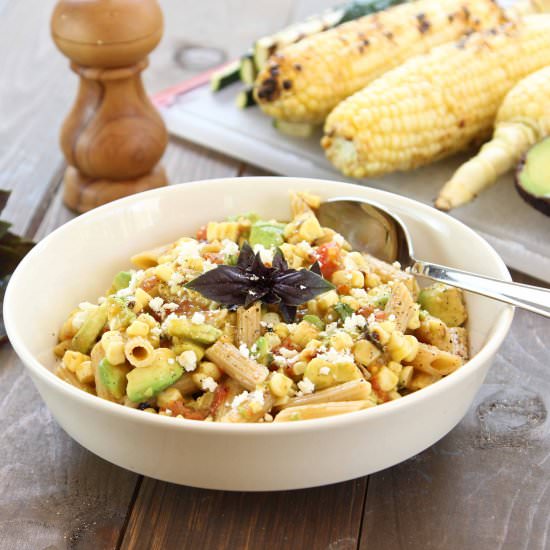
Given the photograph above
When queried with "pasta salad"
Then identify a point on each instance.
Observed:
(257, 320)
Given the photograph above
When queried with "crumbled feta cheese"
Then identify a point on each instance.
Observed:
(396, 264)
(279, 361)
(188, 360)
(266, 254)
(354, 322)
(338, 239)
(188, 249)
(244, 351)
(302, 287)
(207, 265)
(198, 318)
(176, 278)
(129, 290)
(78, 319)
(256, 397)
(324, 370)
(358, 293)
(392, 317)
(209, 384)
(171, 361)
(304, 246)
(334, 356)
(168, 412)
(291, 327)
(170, 307)
(287, 353)
(330, 329)
(155, 331)
(306, 386)
(229, 248)
(156, 304)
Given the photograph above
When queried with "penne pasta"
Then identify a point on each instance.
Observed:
(434, 361)
(400, 305)
(354, 390)
(150, 258)
(248, 324)
(321, 410)
(388, 272)
(244, 370)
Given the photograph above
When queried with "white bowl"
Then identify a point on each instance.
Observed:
(77, 261)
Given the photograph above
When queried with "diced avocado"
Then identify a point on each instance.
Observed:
(379, 296)
(189, 345)
(263, 354)
(113, 377)
(203, 333)
(146, 382)
(122, 280)
(533, 177)
(268, 234)
(444, 302)
(88, 333)
(343, 310)
(315, 321)
(119, 314)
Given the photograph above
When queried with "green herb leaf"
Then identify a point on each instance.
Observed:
(343, 310)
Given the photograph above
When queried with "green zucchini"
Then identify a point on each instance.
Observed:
(225, 76)
(245, 98)
(247, 69)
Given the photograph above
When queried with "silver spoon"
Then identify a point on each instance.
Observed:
(369, 227)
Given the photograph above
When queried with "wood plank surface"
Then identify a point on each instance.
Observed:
(170, 516)
(486, 485)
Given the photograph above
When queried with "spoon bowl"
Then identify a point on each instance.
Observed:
(370, 227)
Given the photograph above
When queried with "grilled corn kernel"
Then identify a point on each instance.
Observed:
(304, 333)
(114, 352)
(168, 396)
(405, 376)
(352, 278)
(280, 385)
(365, 352)
(341, 341)
(72, 359)
(84, 372)
(142, 298)
(138, 328)
(386, 379)
(281, 330)
(210, 369)
(327, 300)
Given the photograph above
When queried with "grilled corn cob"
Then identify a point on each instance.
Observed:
(436, 104)
(303, 82)
(523, 119)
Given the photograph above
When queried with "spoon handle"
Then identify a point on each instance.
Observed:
(532, 298)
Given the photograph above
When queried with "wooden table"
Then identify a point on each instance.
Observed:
(484, 486)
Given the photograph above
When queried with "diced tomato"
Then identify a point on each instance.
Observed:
(201, 233)
(343, 289)
(150, 283)
(381, 315)
(365, 311)
(330, 259)
(184, 307)
(381, 394)
(177, 408)
(214, 257)
(220, 395)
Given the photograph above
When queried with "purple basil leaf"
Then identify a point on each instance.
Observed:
(225, 284)
(316, 268)
(246, 256)
(288, 312)
(259, 269)
(296, 287)
(279, 261)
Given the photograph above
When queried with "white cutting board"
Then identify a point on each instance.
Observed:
(517, 231)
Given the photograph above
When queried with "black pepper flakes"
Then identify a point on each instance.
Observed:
(297, 67)
(287, 84)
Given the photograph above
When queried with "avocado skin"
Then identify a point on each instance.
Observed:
(146, 382)
(113, 377)
(542, 204)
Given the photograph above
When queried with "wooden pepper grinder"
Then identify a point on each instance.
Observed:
(113, 138)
